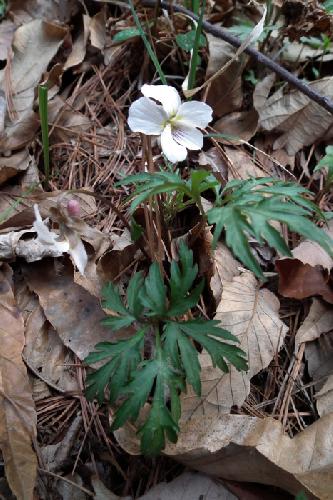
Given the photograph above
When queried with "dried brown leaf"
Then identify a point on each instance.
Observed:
(226, 267)
(301, 120)
(72, 311)
(239, 126)
(262, 90)
(34, 45)
(79, 47)
(244, 448)
(17, 411)
(28, 10)
(225, 92)
(98, 30)
(45, 353)
(189, 486)
(242, 165)
(7, 29)
(318, 321)
(14, 164)
(317, 334)
(251, 314)
(308, 273)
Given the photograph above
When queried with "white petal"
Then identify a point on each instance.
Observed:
(173, 151)
(79, 255)
(166, 95)
(189, 137)
(146, 116)
(44, 235)
(195, 114)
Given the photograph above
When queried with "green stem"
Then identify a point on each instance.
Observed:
(149, 48)
(195, 53)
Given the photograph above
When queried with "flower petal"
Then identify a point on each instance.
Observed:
(189, 137)
(195, 114)
(146, 116)
(79, 255)
(173, 151)
(166, 95)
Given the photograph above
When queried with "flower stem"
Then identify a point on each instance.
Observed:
(195, 53)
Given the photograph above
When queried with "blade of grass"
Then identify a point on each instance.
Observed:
(195, 53)
(149, 48)
(196, 6)
(43, 114)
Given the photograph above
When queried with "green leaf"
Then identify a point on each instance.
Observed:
(153, 295)
(328, 5)
(182, 277)
(126, 34)
(182, 353)
(252, 205)
(124, 357)
(186, 40)
(327, 162)
(136, 230)
(149, 184)
(133, 301)
(118, 322)
(112, 300)
(160, 422)
(204, 332)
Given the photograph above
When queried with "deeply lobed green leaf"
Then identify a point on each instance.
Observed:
(251, 207)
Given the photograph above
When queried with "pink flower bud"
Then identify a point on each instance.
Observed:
(73, 208)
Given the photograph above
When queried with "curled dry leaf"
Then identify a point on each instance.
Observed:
(251, 314)
(93, 27)
(244, 448)
(318, 321)
(79, 47)
(17, 411)
(36, 37)
(308, 272)
(301, 120)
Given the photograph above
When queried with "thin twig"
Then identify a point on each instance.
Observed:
(323, 101)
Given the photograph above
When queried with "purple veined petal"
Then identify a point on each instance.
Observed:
(146, 116)
(166, 95)
(189, 137)
(172, 150)
(195, 114)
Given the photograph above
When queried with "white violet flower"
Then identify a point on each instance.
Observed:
(175, 122)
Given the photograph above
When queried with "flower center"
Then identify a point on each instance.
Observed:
(172, 120)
